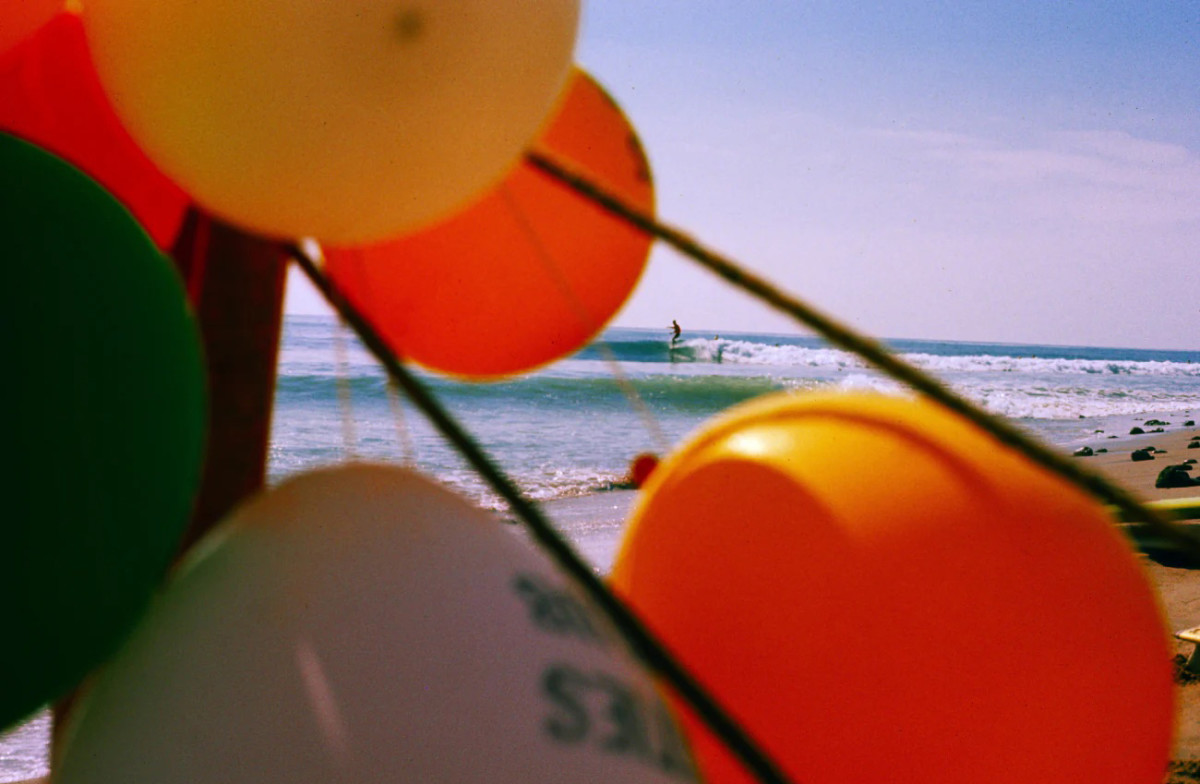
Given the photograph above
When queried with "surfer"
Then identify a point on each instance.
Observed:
(675, 331)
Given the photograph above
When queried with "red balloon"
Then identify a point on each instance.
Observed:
(528, 274)
(19, 18)
(640, 469)
(50, 96)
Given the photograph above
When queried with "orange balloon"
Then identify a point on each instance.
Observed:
(525, 276)
(19, 18)
(880, 592)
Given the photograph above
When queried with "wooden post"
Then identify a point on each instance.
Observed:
(236, 283)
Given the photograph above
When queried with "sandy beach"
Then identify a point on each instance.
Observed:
(1178, 587)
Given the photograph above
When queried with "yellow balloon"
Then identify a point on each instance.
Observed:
(348, 120)
(364, 625)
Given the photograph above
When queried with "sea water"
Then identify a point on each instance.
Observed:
(572, 428)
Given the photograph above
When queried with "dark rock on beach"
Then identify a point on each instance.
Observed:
(1136, 431)
(1083, 451)
(1153, 422)
(1138, 455)
(1183, 772)
(1175, 476)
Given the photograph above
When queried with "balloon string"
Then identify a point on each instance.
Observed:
(345, 401)
(643, 643)
(869, 349)
(586, 320)
(408, 450)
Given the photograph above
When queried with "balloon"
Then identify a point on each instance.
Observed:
(349, 121)
(641, 468)
(20, 18)
(882, 593)
(49, 95)
(363, 624)
(105, 400)
(525, 276)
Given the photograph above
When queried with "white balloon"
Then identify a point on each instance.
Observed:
(363, 624)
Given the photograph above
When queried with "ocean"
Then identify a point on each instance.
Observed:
(570, 430)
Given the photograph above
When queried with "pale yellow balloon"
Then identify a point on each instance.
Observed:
(347, 120)
(364, 625)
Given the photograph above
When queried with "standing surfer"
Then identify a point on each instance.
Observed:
(675, 330)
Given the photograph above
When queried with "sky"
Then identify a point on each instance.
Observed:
(1011, 171)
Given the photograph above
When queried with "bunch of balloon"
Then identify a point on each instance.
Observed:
(880, 592)
(50, 95)
(345, 121)
(364, 624)
(349, 122)
(106, 409)
(527, 274)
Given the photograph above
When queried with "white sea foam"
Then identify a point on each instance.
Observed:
(863, 382)
(1051, 366)
(24, 749)
(542, 484)
(744, 352)
(1068, 403)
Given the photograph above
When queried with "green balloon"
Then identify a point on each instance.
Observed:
(105, 403)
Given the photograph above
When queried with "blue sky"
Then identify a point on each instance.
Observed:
(1016, 171)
